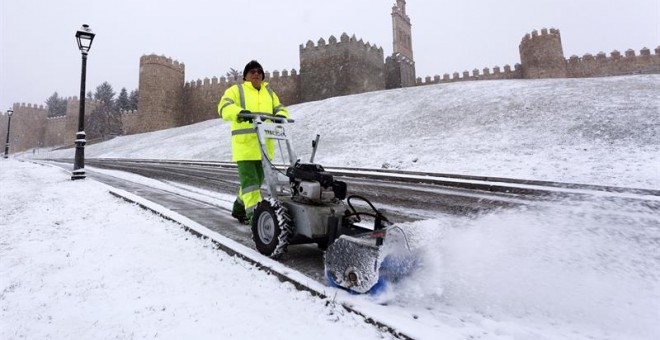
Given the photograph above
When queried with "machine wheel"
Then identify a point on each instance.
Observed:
(272, 228)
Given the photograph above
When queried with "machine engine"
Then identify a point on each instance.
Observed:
(310, 183)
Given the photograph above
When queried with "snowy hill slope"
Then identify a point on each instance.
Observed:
(594, 130)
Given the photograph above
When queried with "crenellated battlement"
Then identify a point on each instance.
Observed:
(224, 81)
(345, 44)
(276, 75)
(71, 100)
(615, 64)
(344, 39)
(615, 55)
(163, 61)
(485, 74)
(18, 106)
(551, 33)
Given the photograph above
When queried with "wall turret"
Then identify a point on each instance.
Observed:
(161, 93)
(542, 56)
(400, 71)
(339, 68)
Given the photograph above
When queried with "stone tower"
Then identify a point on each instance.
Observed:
(542, 56)
(400, 67)
(402, 38)
(160, 102)
(339, 68)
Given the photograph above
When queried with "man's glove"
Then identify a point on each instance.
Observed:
(241, 119)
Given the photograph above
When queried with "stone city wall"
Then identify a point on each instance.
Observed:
(130, 122)
(28, 127)
(32, 128)
(55, 133)
(616, 64)
(542, 56)
(201, 97)
(327, 69)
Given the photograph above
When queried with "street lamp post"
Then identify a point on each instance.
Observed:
(85, 37)
(9, 113)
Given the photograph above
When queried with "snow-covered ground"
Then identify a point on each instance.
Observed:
(77, 263)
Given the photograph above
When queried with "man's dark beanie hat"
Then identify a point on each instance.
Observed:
(253, 64)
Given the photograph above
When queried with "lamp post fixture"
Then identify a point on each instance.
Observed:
(85, 37)
(9, 113)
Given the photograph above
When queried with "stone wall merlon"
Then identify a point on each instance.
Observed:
(30, 105)
(345, 39)
(614, 55)
(476, 73)
(544, 32)
(224, 81)
(285, 73)
(162, 60)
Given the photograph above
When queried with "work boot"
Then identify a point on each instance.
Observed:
(238, 212)
(241, 218)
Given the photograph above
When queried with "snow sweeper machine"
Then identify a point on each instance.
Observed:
(305, 204)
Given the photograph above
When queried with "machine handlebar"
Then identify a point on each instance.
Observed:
(264, 116)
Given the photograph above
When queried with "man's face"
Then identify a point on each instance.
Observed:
(254, 76)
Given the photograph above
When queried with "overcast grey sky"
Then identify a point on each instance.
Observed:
(40, 55)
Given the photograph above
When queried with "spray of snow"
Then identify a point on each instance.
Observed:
(576, 263)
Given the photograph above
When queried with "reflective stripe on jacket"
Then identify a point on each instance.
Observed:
(244, 142)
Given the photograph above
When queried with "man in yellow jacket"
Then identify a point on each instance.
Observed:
(253, 95)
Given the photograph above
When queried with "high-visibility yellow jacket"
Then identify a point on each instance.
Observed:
(244, 142)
